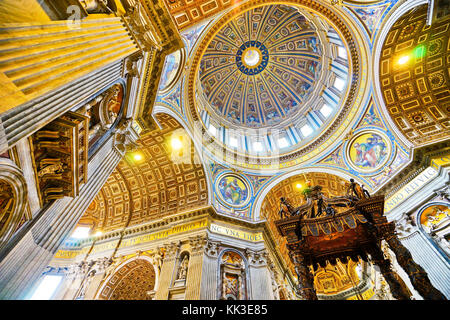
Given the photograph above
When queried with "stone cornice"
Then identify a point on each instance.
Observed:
(155, 225)
(152, 26)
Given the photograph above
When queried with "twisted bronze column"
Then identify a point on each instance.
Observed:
(417, 275)
(305, 277)
(398, 288)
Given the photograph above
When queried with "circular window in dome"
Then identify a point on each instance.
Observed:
(252, 57)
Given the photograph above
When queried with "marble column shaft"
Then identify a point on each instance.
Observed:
(260, 279)
(209, 283)
(22, 266)
(260, 282)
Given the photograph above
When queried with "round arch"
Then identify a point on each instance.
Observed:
(267, 188)
(231, 268)
(395, 14)
(116, 279)
(11, 177)
(425, 211)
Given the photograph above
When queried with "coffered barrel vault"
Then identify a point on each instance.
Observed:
(414, 76)
(221, 149)
(152, 187)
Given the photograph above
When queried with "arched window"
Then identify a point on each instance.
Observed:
(13, 199)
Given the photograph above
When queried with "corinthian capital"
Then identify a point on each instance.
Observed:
(197, 243)
(170, 250)
(141, 28)
(212, 248)
(257, 258)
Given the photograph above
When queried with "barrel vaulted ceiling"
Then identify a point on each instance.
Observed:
(415, 76)
(151, 187)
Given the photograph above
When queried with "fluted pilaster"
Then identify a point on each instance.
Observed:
(260, 279)
(431, 260)
(208, 287)
(194, 276)
(38, 58)
(167, 268)
(47, 69)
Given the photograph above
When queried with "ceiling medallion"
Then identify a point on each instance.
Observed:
(252, 57)
(233, 190)
(369, 151)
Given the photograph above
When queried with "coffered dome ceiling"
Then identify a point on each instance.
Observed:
(270, 82)
(262, 67)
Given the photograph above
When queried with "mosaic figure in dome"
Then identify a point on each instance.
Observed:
(312, 44)
(171, 66)
(312, 67)
(371, 151)
(233, 190)
(251, 119)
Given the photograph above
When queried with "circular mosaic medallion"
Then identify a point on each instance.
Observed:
(233, 190)
(252, 57)
(369, 151)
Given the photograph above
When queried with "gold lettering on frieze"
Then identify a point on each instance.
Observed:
(253, 237)
(411, 188)
(70, 254)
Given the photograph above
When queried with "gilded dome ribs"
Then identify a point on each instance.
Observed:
(295, 35)
(292, 17)
(301, 74)
(272, 95)
(284, 72)
(294, 94)
(231, 96)
(258, 99)
(219, 85)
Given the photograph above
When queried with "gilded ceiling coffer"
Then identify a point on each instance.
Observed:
(326, 230)
(60, 152)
